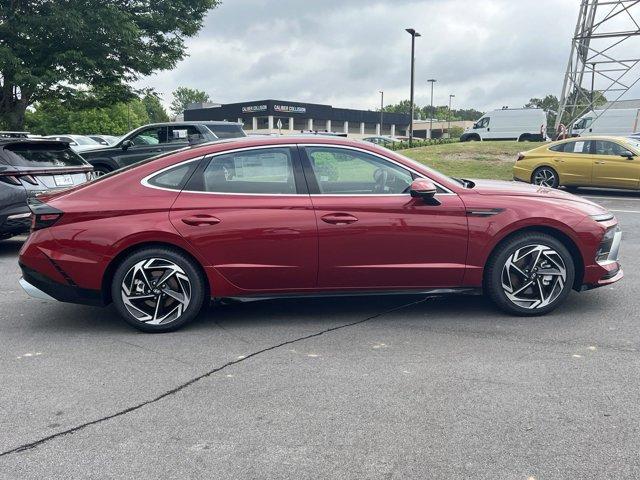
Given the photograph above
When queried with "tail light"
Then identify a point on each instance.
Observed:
(44, 215)
(10, 179)
(520, 157)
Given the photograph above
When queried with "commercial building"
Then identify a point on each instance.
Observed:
(278, 116)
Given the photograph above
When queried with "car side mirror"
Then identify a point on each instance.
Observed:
(126, 144)
(628, 155)
(425, 190)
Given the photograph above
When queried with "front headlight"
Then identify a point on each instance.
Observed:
(609, 246)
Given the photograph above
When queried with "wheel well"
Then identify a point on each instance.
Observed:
(117, 260)
(558, 235)
(525, 137)
(104, 163)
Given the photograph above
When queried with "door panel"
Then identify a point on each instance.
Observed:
(383, 238)
(575, 163)
(396, 242)
(610, 169)
(257, 241)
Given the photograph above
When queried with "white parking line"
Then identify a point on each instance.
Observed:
(624, 211)
(622, 199)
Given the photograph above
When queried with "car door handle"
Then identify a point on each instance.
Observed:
(600, 163)
(199, 220)
(339, 218)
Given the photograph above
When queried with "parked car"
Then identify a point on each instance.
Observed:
(274, 216)
(613, 121)
(78, 143)
(380, 140)
(522, 124)
(30, 167)
(158, 138)
(581, 162)
(105, 139)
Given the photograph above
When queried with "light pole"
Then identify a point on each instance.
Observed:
(449, 127)
(381, 109)
(431, 81)
(413, 34)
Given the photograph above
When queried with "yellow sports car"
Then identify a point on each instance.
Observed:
(581, 162)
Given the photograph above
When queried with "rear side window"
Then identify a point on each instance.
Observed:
(42, 155)
(227, 131)
(174, 178)
(266, 171)
(582, 146)
(560, 147)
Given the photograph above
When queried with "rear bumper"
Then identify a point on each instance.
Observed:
(42, 287)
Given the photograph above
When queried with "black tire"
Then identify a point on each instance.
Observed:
(100, 170)
(551, 176)
(157, 260)
(497, 271)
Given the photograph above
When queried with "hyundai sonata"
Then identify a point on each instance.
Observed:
(272, 216)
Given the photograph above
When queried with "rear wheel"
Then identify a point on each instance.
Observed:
(530, 274)
(100, 170)
(158, 289)
(545, 177)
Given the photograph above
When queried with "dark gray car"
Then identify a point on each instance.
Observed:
(155, 139)
(29, 167)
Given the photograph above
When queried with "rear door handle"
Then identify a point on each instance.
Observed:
(199, 220)
(339, 218)
(600, 163)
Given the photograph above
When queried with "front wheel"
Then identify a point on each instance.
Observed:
(158, 289)
(530, 274)
(545, 177)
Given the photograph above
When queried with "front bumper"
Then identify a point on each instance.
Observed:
(607, 271)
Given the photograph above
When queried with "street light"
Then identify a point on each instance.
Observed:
(381, 109)
(413, 34)
(431, 81)
(449, 127)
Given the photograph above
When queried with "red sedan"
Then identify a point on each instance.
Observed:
(269, 217)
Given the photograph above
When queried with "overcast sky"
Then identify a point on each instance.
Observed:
(489, 53)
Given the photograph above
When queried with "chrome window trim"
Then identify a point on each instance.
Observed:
(145, 180)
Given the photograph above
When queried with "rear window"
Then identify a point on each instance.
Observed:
(42, 155)
(227, 131)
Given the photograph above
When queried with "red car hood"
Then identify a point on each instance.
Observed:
(520, 189)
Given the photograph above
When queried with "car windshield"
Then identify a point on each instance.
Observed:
(227, 131)
(42, 155)
(84, 141)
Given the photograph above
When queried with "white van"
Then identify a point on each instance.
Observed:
(522, 124)
(619, 122)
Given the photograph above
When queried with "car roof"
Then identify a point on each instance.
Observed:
(189, 122)
(7, 141)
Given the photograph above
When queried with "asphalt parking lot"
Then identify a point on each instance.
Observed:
(372, 387)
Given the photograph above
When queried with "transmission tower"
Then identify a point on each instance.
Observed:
(604, 60)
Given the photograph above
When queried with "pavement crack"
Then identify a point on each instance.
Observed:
(182, 386)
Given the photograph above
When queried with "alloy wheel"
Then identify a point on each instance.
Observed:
(534, 276)
(156, 291)
(545, 177)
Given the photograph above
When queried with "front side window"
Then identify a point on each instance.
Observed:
(267, 171)
(604, 147)
(583, 123)
(341, 171)
(151, 136)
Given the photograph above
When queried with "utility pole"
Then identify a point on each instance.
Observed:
(381, 109)
(431, 81)
(413, 34)
(449, 127)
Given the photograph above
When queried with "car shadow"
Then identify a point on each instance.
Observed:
(11, 246)
(597, 192)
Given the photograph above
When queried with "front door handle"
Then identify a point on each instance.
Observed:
(600, 163)
(199, 220)
(339, 218)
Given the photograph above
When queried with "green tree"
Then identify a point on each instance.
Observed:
(48, 48)
(183, 96)
(54, 116)
(155, 110)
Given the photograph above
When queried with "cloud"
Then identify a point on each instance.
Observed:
(342, 52)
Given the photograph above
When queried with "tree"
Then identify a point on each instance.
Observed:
(183, 96)
(550, 105)
(155, 110)
(50, 48)
(54, 116)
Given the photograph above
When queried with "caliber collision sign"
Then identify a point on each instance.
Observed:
(254, 108)
(289, 109)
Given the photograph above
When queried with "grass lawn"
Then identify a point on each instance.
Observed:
(471, 159)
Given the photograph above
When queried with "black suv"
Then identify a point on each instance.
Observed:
(29, 167)
(155, 139)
